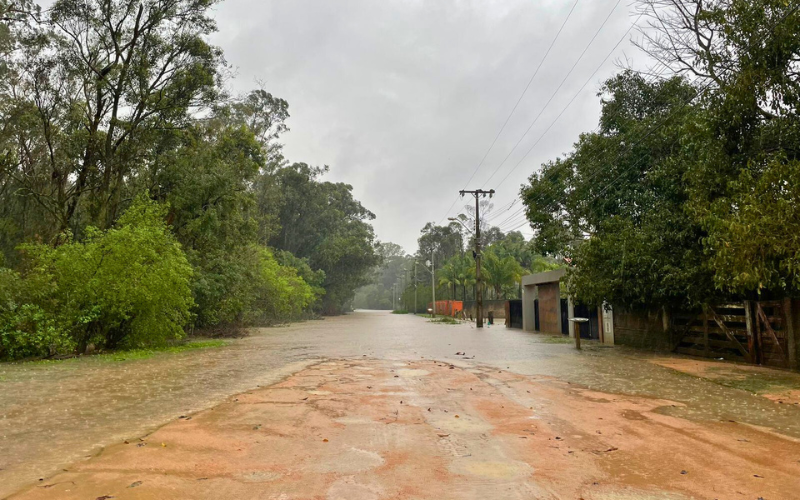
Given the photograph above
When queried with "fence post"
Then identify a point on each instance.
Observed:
(791, 333)
(706, 348)
(751, 332)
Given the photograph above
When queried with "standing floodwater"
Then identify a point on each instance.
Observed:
(53, 414)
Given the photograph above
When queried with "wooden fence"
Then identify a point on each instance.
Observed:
(753, 332)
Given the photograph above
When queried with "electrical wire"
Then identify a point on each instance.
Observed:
(552, 96)
(698, 92)
(516, 105)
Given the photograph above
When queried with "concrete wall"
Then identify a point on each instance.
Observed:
(528, 310)
(607, 317)
(550, 308)
(497, 306)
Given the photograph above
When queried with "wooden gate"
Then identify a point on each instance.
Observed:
(772, 343)
(719, 332)
(753, 332)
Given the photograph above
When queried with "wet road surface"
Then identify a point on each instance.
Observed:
(52, 415)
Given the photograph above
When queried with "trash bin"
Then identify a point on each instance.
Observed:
(490, 314)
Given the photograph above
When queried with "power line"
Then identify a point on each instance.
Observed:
(572, 100)
(514, 219)
(536, 119)
(518, 219)
(699, 90)
(505, 208)
(525, 90)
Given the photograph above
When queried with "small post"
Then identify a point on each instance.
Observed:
(752, 332)
(577, 322)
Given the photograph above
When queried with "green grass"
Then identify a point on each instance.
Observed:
(559, 339)
(149, 352)
(447, 320)
(142, 353)
(756, 382)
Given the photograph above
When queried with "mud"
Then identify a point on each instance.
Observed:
(369, 429)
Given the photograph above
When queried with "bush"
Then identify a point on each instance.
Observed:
(251, 286)
(281, 294)
(26, 330)
(128, 286)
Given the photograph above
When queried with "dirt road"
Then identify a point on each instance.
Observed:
(380, 406)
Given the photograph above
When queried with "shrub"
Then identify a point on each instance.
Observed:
(281, 294)
(251, 286)
(26, 330)
(128, 286)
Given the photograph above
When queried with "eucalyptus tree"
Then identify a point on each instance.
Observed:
(322, 222)
(95, 90)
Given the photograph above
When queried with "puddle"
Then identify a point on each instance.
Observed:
(259, 476)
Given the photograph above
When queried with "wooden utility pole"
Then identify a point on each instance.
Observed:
(433, 284)
(415, 286)
(478, 193)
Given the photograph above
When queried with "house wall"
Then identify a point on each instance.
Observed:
(550, 308)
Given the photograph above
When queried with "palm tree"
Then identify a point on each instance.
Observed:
(458, 271)
(465, 270)
(500, 272)
(448, 276)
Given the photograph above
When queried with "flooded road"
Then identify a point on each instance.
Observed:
(54, 414)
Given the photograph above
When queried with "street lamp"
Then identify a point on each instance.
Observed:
(456, 219)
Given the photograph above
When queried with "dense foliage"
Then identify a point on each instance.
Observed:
(138, 200)
(687, 192)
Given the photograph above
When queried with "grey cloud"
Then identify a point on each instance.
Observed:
(402, 98)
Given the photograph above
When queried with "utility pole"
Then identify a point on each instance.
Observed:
(478, 194)
(433, 284)
(415, 286)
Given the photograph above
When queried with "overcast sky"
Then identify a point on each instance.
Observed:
(403, 98)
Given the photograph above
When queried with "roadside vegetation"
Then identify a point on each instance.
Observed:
(139, 201)
(142, 353)
(446, 320)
